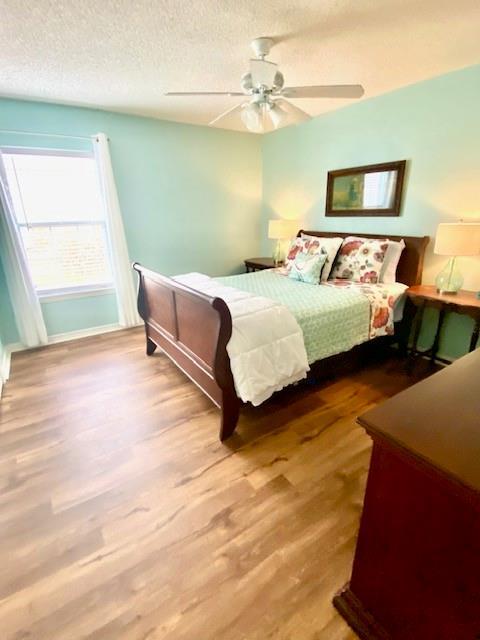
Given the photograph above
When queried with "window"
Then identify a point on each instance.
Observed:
(58, 209)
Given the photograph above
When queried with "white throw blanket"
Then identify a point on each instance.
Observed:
(266, 350)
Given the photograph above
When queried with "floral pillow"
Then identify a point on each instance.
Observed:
(391, 259)
(360, 260)
(307, 267)
(329, 246)
(300, 245)
(315, 245)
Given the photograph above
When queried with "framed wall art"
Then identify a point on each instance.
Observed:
(372, 190)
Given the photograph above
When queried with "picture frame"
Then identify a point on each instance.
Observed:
(370, 190)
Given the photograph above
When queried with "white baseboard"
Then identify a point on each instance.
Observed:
(53, 339)
(83, 333)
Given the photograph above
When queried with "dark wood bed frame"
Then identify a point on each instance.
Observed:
(193, 329)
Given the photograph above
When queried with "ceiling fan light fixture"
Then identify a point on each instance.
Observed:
(246, 82)
(295, 115)
(277, 115)
(278, 81)
(252, 117)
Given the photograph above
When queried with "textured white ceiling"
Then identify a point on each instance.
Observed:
(123, 55)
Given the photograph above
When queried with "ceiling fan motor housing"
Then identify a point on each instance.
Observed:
(261, 46)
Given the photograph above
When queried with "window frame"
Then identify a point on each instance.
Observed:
(54, 294)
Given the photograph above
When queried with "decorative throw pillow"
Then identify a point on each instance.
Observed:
(307, 267)
(308, 245)
(391, 260)
(305, 244)
(296, 246)
(360, 260)
(328, 246)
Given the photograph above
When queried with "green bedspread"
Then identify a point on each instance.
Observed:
(333, 319)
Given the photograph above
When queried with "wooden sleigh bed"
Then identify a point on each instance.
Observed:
(193, 329)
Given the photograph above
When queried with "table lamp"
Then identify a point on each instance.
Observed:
(278, 230)
(455, 239)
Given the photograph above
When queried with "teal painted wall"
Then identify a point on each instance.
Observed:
(8, 330)
(434, 125)
(190, 196)
(2, 355)
(63, 316)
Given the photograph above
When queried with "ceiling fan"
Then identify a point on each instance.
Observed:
(266, 103)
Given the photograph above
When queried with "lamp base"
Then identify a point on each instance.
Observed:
(449, 280)
(277, 254)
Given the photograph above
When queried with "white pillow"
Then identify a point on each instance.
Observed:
(330, 247)
(391, 260)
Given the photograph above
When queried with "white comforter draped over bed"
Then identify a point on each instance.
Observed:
(267, 350)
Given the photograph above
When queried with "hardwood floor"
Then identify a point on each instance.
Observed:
(122, 516)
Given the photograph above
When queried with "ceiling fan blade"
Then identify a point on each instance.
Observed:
(324, 91)
(203, 93)
(262, 72)
(226, 113)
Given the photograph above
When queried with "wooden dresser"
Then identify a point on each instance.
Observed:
(416, 572)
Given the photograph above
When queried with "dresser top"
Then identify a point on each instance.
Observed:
(437, 419)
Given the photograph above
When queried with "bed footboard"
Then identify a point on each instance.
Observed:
(193, 330)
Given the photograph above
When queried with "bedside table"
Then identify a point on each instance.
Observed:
(463, 302)
(257, 264)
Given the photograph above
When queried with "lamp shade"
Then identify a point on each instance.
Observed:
(280, 229)
(458, 239)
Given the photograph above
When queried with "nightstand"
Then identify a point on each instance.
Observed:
(463, 302)
(257, 264)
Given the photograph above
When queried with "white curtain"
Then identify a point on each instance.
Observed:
(23, 296)
(122, 270)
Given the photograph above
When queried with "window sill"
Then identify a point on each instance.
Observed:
(71, 294)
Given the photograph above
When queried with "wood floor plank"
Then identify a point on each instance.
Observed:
(122, 517)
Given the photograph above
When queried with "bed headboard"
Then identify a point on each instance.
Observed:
(409, 270)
